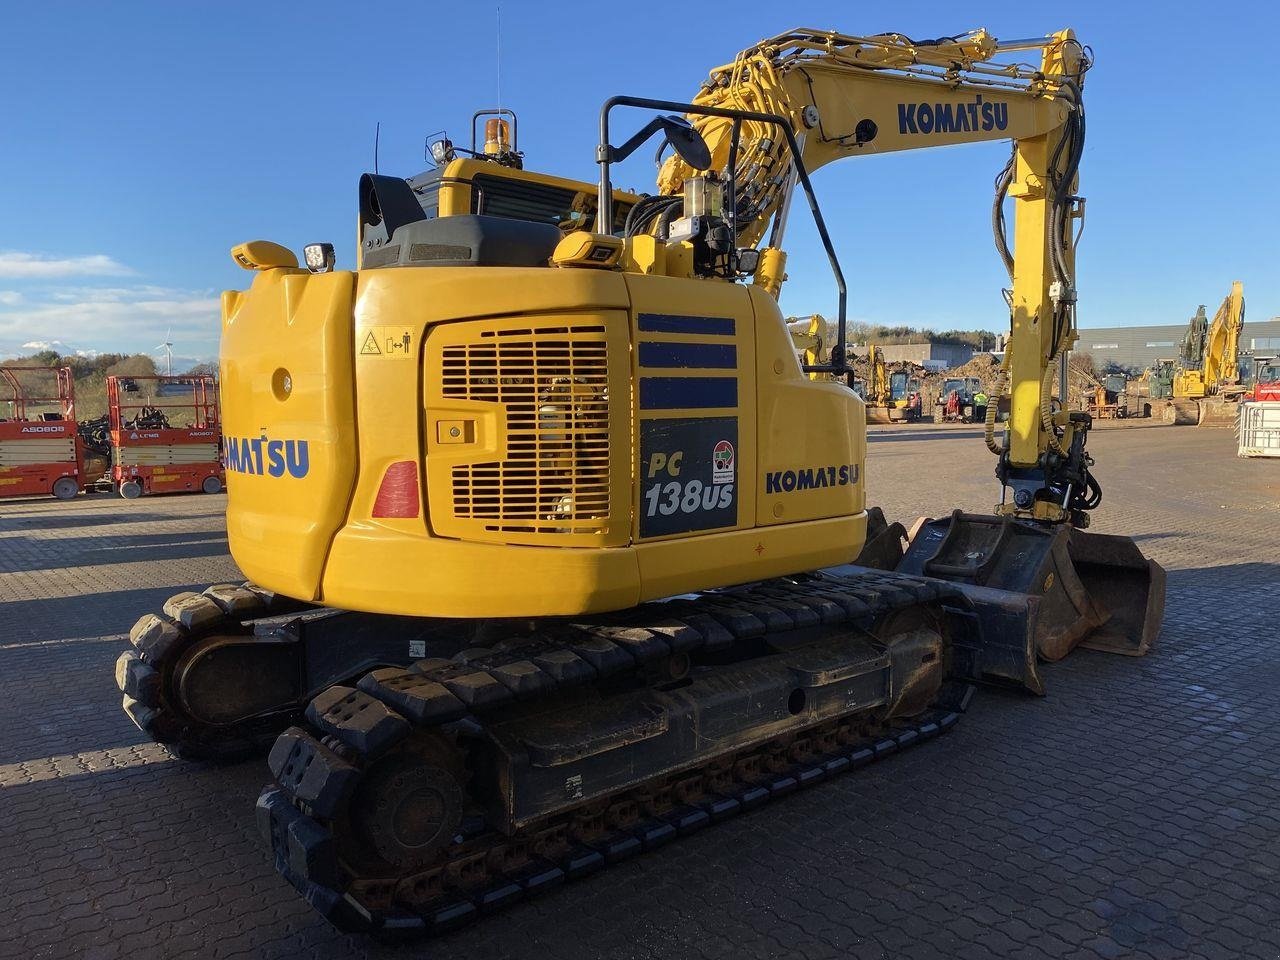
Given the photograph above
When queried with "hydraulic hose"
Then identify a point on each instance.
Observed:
(1002, 383)
(998, 228)
(1046, 406)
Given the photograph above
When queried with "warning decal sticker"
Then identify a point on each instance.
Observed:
(392, 343)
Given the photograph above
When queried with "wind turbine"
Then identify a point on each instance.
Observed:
(167, 347)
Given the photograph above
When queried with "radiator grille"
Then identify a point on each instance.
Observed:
(553, 382)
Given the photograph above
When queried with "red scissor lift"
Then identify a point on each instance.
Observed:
(40, 450)
(154, 449)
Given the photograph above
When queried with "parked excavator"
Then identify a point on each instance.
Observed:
(1203, 385)
(878, 397)
(889, 392)
(552, 538)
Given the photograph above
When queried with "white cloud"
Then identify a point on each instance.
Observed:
(21, 265)
(113, 294)
(9, 297)
(116, 320)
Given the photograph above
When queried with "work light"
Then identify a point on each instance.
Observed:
(319, 257)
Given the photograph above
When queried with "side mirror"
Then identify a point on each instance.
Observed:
(679, 132)
(686, 142)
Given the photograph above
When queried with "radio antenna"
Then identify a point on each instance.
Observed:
(498, 29)
(377, 135)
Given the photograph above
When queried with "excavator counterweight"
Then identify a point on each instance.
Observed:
(560, 552)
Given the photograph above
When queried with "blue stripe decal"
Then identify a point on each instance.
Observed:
(677, 323)
(718, 356)
(680, 393)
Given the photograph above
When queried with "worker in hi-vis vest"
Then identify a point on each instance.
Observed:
(980, 406)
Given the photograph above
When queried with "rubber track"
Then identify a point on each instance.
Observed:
(316, 771)
(158, 641)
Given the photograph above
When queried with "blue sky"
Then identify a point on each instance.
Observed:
(142, 140)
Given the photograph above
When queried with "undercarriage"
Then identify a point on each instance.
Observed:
(444, 768)
(422, 797)
(428, 770)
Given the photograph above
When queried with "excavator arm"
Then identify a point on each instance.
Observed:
(877, 377)
(801, 100)
(1222, 343)
(1210, 353)
(850, 96)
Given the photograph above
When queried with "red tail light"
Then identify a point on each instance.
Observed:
(398, 495)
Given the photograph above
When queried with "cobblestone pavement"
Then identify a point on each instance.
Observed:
(1131, 813)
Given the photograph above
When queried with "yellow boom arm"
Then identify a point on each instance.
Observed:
(1222, 345)
(1218, 346)
(849, 96)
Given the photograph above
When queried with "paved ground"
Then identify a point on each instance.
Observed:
(1132, 813)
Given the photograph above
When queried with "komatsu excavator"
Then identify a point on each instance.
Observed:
(878, 395)
(1204, 383)
(888, 391)
(552, 540)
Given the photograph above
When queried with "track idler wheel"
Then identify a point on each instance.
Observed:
(409, 804)
(160, 676)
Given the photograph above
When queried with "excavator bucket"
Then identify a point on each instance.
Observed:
(1126, 587)
(1219, 411)
(1050, 588)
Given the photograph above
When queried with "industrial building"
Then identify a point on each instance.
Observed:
(1131, 348)
(938, 356)
(1138, 347)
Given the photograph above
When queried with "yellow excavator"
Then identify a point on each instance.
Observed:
(557, 553)
(889, 392)
(878, 398)
(1203, 385)
(812, 337)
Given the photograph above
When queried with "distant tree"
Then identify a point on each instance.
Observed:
(103, 361)
(860, 332)
(137, 365)
(208, 368)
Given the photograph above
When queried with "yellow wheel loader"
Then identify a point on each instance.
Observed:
(554, 543)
